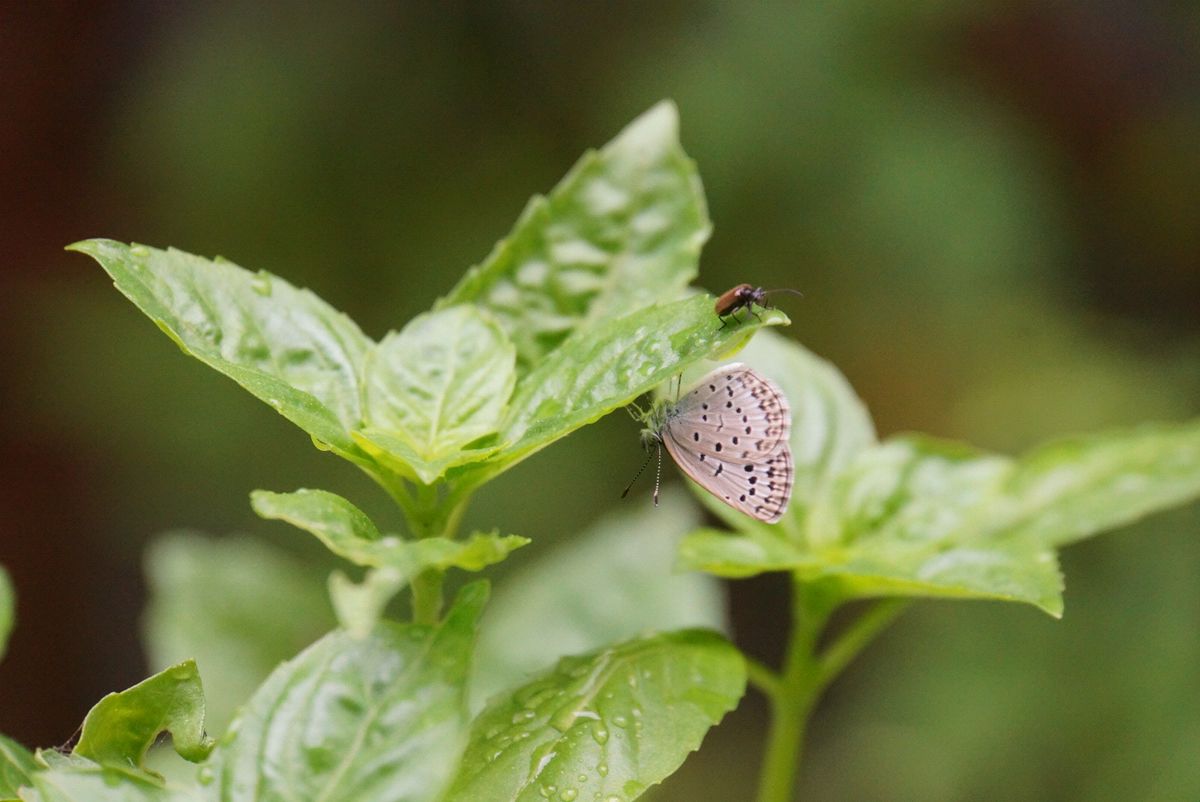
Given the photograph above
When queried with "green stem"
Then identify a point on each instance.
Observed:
(433, 514)
(762, 678)
(838, 654)
(427, 596)
(794, 692)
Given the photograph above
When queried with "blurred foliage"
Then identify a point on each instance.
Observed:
(990, 208)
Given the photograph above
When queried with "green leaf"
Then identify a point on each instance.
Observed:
(915, 516)
(741, 555)
(830, 427)
(285, 345)
(236, 604)
(609, 365)
(441, 383)
(16, 767)
(1073, 488)
(87, 782)
(605, 725)
(610, 583)
(348, 533)
(621, 231)
(122, 726)
(380, 718)
(908, 518)
(8, 605)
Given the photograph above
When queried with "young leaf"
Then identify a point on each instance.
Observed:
(1073, 488)
(360, 605)
(341, 526)
(439, 384)
(16, 767)
(610, 364)
(605, 725)
(238, 605)
(610, 583)
(285, 345)
(122, 726)
(621, 231)
(7, 608)
(348, 533)
(381, 718)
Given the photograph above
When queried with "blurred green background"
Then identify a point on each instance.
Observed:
(993, 210)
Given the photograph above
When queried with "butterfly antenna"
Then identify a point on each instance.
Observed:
(658, 475)
(678, 389)
(636, 475)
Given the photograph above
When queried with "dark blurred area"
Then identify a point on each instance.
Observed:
(993, 210)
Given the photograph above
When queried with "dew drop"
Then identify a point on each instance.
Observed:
(205, 775)
(521, 716)
(599, 734)
(568, 795)
(602, 769)
(620, 721)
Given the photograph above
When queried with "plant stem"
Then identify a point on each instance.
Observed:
(427, 596)
(762, 677)
(838, 654)
(432, 514)
(794, 692)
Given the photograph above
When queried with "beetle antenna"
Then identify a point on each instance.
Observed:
(783, 289)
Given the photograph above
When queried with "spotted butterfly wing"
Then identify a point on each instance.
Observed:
(730, 435)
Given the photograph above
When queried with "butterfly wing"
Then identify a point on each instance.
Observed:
(759, 488)
(735, 411)
(730, 435)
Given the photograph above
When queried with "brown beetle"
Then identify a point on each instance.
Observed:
(743, 296)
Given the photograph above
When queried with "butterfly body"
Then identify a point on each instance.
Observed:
(730, 435)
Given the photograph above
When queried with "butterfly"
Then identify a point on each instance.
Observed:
(730, 435)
